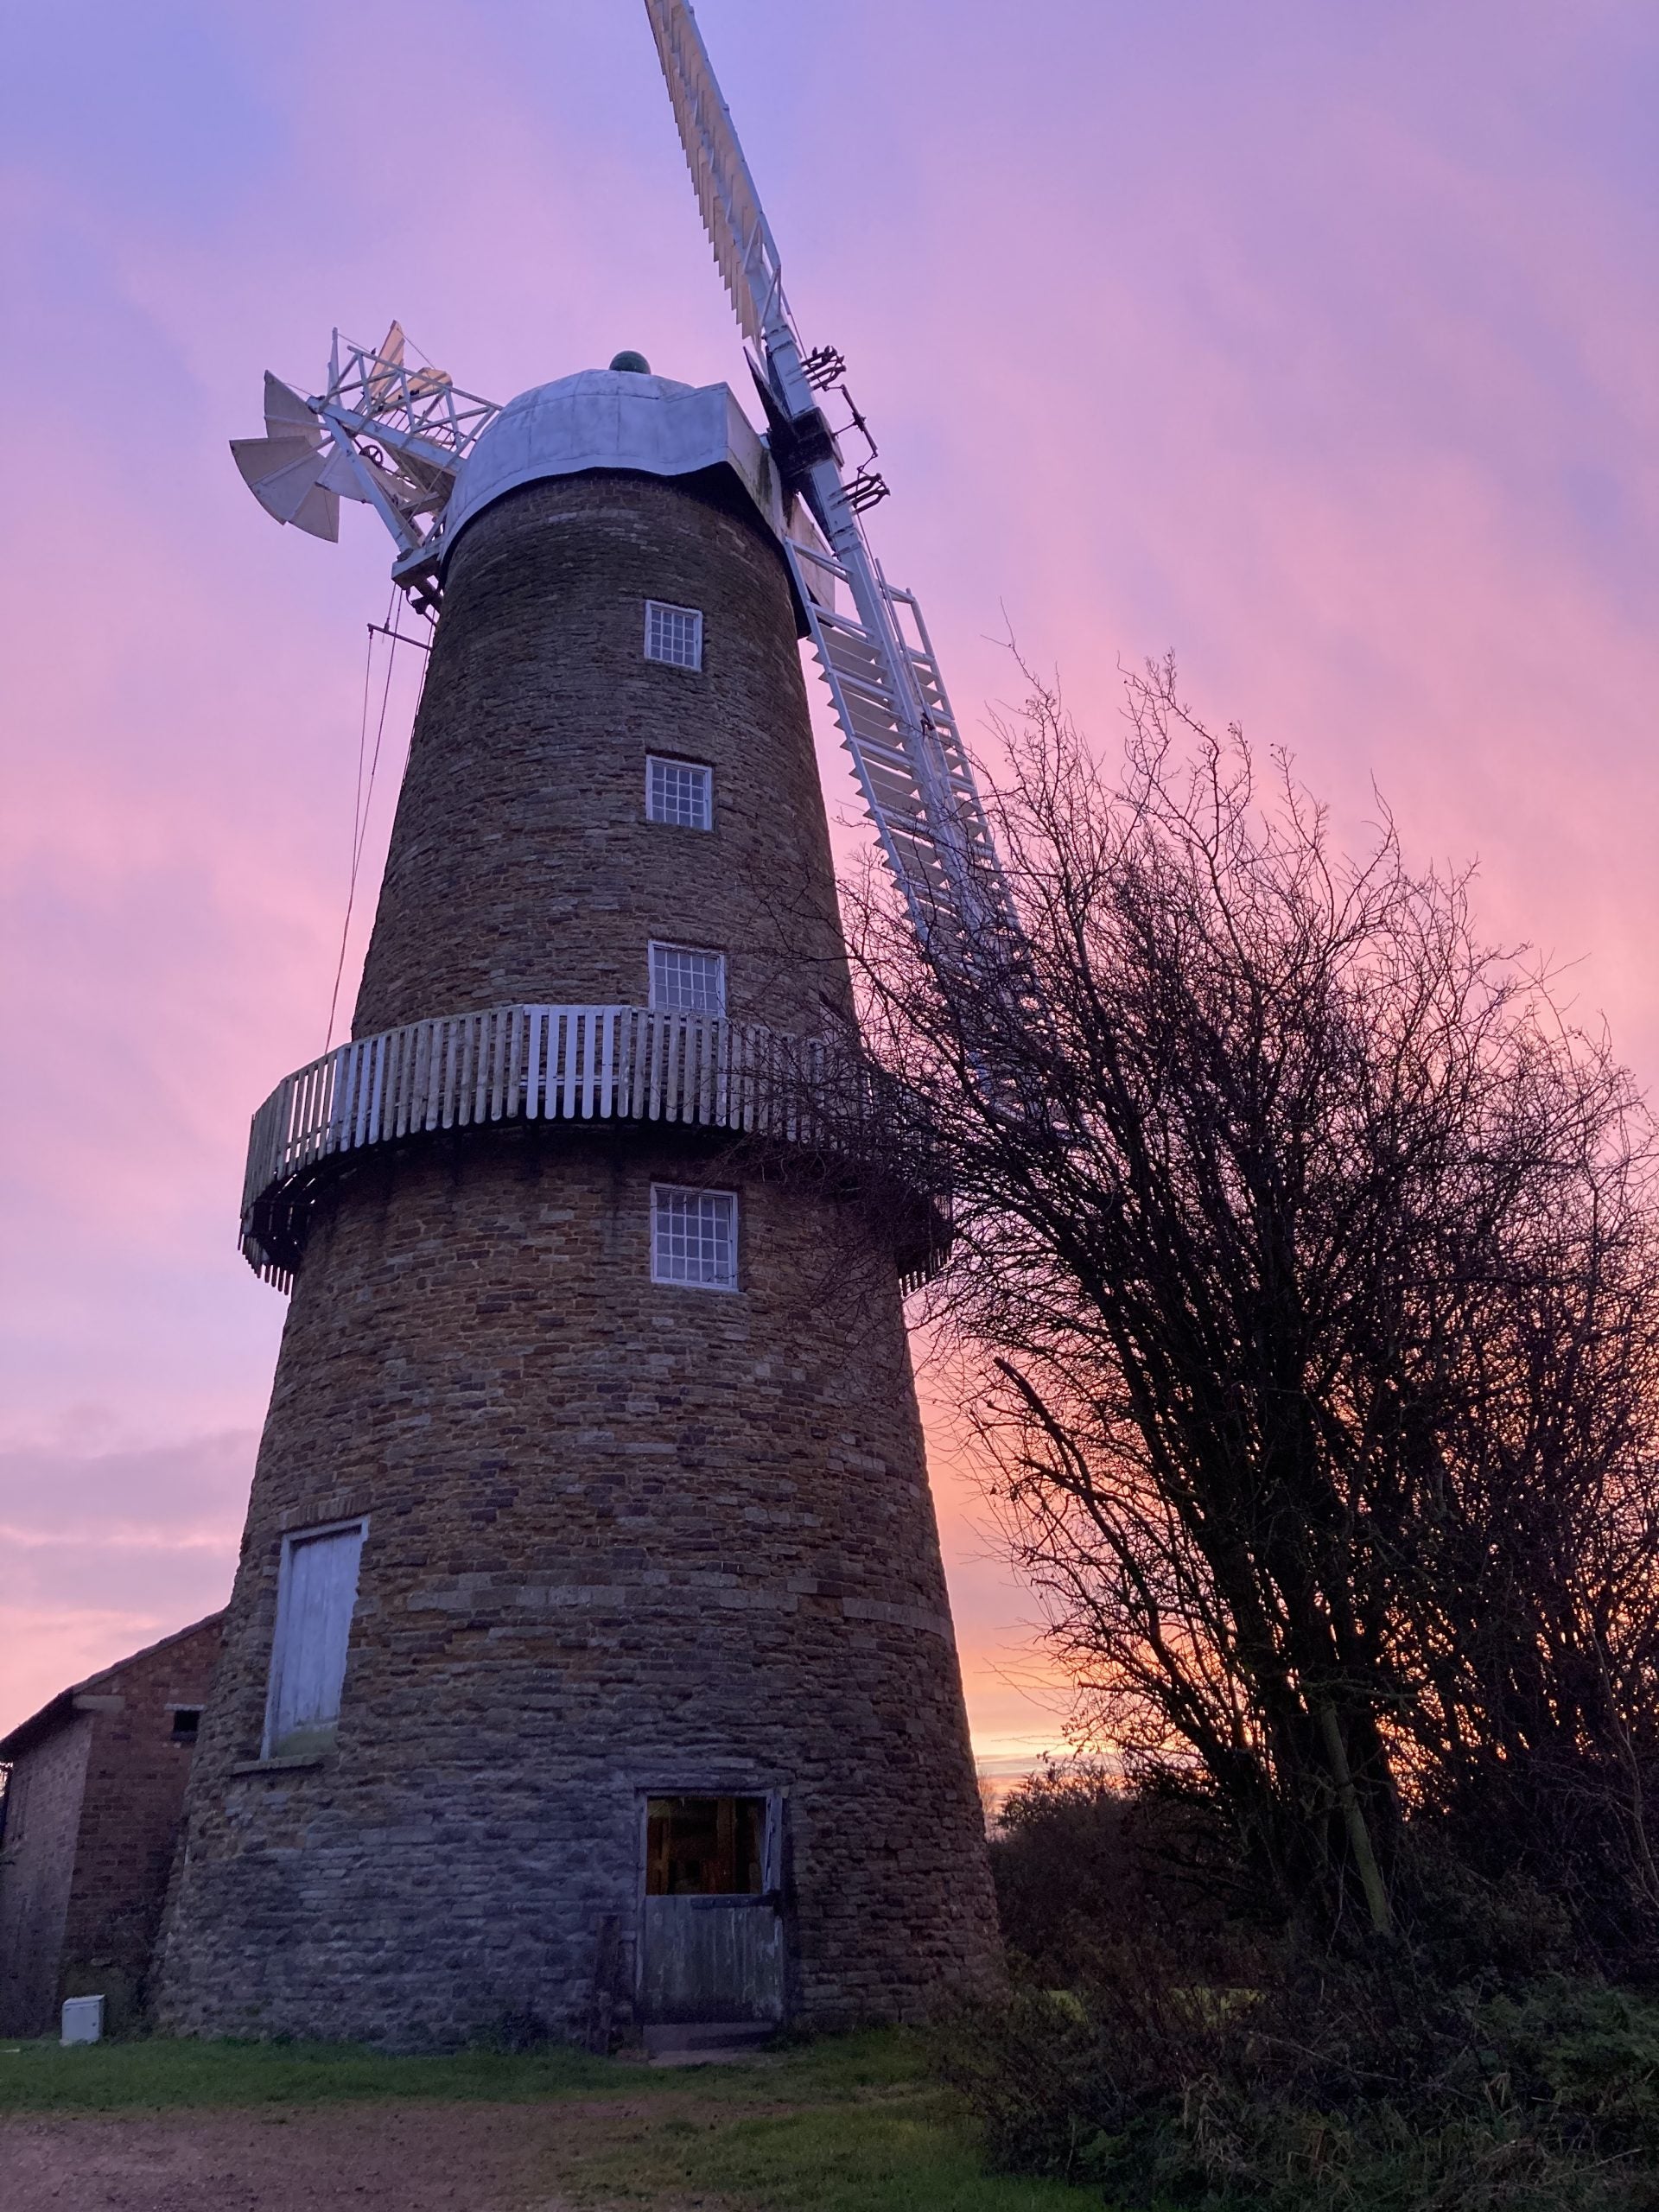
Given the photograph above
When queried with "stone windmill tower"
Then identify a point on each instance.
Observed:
(590, 1655)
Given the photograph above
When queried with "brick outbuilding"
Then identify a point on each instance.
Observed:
(92, 1808)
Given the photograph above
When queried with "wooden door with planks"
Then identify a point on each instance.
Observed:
(712, 1933)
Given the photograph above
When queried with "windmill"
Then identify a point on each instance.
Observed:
(393, 437)
(590, 1652)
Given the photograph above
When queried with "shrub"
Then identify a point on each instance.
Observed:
(1082, 1865)
(1329, 2089)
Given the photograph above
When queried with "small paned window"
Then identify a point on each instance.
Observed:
(673, 634)
(316, 1595)
(694, 1237)
(186, 1723)
(679, 791)
(687, 979)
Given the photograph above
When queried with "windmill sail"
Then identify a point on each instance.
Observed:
(885, 684)
(732, 214)
(394, 437)
(384, 433)
(286, 415)
(283, 469)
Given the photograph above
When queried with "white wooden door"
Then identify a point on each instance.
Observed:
(315, 1598)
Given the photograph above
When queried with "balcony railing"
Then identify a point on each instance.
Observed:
(535, 1063)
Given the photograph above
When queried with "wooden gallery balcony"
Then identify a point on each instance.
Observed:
(770, 1094)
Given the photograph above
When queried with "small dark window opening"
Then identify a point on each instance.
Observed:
(186, 1723)
(705, 1846)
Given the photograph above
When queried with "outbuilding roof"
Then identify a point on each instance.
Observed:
(62, 1706)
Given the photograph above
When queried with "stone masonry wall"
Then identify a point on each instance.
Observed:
(622, 1537)
(522, 866)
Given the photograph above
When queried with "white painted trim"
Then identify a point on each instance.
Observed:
(698, 952)
(668, 660)
(697, 768)
(280, 1629)
(698, 1191)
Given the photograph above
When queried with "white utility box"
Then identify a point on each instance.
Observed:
(83, 2019)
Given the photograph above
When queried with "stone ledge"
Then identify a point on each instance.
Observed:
(475, 1594)
(872, 1609)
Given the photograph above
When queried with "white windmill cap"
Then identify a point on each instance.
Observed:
(614, 418)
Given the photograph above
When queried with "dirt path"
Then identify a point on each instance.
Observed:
(343, 2158)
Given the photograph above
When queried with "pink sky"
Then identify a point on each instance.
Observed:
(1316, 343)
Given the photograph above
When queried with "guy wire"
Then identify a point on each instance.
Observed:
(362, 801)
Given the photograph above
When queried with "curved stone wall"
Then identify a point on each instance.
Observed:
(621, 1536)
(522, 866)
(619, 1539)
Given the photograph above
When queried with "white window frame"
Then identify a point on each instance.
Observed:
(688, 1282)
(654, 608)
(293, 1538)
(698, 951)
(699, 768)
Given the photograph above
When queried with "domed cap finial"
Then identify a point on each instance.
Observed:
(635, 365)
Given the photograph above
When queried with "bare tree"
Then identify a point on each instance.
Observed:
(1305, 1259)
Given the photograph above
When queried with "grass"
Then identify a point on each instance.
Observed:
(909, 2153)
(841, 2124)
(161, 2077)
